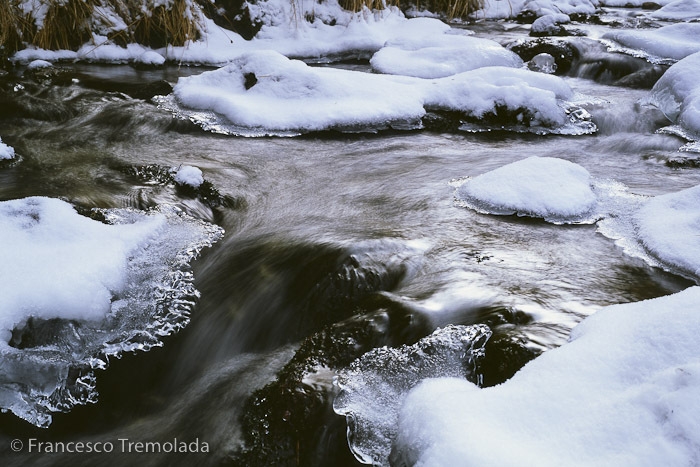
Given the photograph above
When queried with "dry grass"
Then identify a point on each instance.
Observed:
(449, 8)
(66, 25)
(161, 26)
(357, 5)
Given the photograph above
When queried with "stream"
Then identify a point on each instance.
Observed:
(322, 229)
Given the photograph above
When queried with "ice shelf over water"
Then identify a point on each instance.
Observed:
(667, 44)
(265, 93)
(77, 291)
(622, 392)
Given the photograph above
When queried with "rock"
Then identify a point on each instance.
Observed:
(562, 51)
(543, 63)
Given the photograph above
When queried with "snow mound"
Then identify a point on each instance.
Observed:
(678, 10)
(665, 45)
(375, 385)
(677, 95)
(668, 226)
(441, 55)
(265, 93)
(623, 391)
(77, 291)
(188, 175)
(6, 152)
(500, 9)
(556, 190)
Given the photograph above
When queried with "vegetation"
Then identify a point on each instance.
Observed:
(68, 24)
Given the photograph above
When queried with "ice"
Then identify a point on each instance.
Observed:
(663, 45)
(441, 55)
(374, 386)
(188, 175)
(6, 152)
(677, 94)
(622, 392)
(265, 93)
(543, 63)
(554, 189)
(77, 291)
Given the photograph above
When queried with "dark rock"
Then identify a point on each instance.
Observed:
(650, 6)
(504, 356)
(143, 91)
(250, 80)
(233, 15)
(563, 52)
(642, 79)
(526, 17)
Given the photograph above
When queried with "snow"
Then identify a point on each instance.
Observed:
(188, 175)
(36, 64)
(680, 10)
(550, 188)
(499, 9)
(266, 93)
(668, 227)
(677, 93)
(549, 24)
(622, 392)
(58, 264)
(6, 152)
(441, 55)
(673, 42)
(82, 291)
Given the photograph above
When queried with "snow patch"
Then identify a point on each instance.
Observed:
(188, 175)
(6, 152)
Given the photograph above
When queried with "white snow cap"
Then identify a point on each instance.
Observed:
(6, 152)
(623, 392)
(59, 264)
(36, 64)
(188, 175)
(441, 55)
(150, 58)
(551, 188)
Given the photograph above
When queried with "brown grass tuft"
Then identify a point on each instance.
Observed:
(161, 27)
(66, 25)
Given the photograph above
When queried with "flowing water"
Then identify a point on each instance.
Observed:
(297, 211)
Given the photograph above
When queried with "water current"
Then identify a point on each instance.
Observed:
(319, 228)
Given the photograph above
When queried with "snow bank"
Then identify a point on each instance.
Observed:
(77, 291)
(554, 189)
(677, 94)
(499, 9)
(673, 42)
(623, 392)
(442, 55)
(265, 93)
(6, 152)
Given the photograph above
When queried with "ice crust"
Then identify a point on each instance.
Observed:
(373, 388)
(623, 392)
(77, 291)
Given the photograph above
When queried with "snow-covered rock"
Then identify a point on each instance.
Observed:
(554, 189)
(266, 93)
(6, 152)
(623, 392)
(442, 55)
(679, 10)
(188, 175)
(673, 42)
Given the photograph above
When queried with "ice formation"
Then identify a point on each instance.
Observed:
(77, 291)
